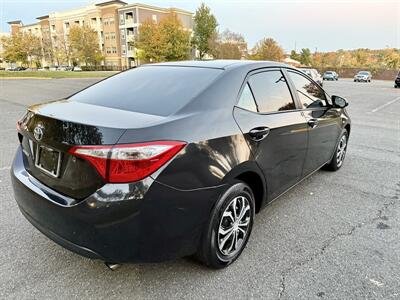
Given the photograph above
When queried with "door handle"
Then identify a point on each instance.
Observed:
(312, 123)
(259, 133)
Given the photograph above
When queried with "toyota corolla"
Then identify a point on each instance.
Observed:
(173, 159)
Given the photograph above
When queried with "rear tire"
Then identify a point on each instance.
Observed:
(229, 227)
(340, 153)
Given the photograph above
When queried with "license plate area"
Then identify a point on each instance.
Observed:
(48, 160)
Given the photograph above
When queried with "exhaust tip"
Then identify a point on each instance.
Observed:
(112, 266)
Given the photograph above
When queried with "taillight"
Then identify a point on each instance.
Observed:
(128, 162)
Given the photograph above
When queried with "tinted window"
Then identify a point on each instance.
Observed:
(310, 94)
(246, 100)
(157, 90)
(271, 91)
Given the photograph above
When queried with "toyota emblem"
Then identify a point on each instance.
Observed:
(38, 132)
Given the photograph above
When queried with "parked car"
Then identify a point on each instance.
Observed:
(397, 81)
(77, 69)
(330, 75)
(176, 165)
(363, 76)
(314, 74)
(17, 69)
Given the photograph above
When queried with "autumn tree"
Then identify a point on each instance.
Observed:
(23, 48)
(165, 41)
(267, 49)
(205, 28)
(84, 45)
(229, 45)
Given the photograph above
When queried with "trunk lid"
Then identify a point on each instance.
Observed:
(49, 130)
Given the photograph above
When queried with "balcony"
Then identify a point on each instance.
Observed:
(130, 53)
(129, 21)
(130, 38)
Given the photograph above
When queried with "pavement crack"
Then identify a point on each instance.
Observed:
(379, 216)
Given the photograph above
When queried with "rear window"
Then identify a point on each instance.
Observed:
(157, 90)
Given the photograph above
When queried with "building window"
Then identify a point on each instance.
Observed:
(122, 34)
(114, 50)
(108, 50)
(107, 37)
(53, 27)
(111, 21)
(123, 48)
(121, 19)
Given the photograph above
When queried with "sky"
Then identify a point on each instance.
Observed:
(322, 25)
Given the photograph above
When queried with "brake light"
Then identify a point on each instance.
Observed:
(128, 162)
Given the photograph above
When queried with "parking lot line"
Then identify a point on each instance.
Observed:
(384, 105)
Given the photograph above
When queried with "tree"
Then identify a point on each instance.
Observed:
(61, 49)
(165, 41)
(294, 55)
(205, 27)
(305, 57)
(84, 45)
(229, 45)
(23, 48)
(267, 49)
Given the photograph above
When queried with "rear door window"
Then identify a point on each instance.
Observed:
(157, 90)
(271, 92)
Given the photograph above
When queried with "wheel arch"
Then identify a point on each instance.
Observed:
(250, 173)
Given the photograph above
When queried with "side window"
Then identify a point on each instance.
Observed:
(310, 94)
(271, 91)
(246, 100)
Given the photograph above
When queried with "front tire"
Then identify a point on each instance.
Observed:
(229, 227)
(340, 152)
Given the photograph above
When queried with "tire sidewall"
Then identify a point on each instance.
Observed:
(215, 258)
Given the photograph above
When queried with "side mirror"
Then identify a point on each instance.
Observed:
(339, 102)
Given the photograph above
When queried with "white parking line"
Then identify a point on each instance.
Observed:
(386, 104)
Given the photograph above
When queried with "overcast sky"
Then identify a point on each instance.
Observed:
(322, 24)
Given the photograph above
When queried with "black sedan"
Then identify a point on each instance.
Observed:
(173, 159)
(397, 81)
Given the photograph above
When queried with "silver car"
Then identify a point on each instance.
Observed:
(363, 76)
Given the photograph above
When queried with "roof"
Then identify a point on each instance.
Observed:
(43, 17)
(15, 22)
(221, 64)
(156, 8)
(111, 2)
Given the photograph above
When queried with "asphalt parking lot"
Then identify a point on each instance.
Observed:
(334, 236)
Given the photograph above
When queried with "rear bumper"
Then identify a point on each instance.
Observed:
(139, 222)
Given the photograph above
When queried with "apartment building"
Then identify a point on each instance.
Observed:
(131, 16)
(116, 23)
(3, 64)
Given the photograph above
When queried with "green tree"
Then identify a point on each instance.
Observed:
(165, 41)
(267, 49)
(294, 55)
(84, 45)
(305, 57)
(205, 27)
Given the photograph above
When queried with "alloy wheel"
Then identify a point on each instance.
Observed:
(341, 150)
(234, 226)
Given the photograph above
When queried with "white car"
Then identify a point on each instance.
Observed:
(363, 76)
(314, 74)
